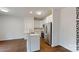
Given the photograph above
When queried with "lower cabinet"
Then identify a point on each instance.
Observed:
(33, 43)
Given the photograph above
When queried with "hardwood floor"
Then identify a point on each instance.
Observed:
(13, 46)
(47, 48)
(20, 46)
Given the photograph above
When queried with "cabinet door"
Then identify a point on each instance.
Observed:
(35, 43)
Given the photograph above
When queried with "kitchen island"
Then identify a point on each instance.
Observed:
(33, 42)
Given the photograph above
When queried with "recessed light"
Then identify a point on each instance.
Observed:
(38, 12)
(4, 9)
(30, 12)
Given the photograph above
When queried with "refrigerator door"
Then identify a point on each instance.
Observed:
(48, 32)
(45, 31)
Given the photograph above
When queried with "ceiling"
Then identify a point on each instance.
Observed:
(25, 11)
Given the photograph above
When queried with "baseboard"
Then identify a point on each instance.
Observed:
(63, 47)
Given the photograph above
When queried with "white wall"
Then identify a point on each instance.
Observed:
(68, 28)
(11, 27)
(56, 26)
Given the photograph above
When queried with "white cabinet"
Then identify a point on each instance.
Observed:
(33, 43)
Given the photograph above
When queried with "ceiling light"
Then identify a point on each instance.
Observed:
(30, 12)
(38, 12)
(4, 9)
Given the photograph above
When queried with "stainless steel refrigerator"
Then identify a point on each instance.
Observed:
(48, 32)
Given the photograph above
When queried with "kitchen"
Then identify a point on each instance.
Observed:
(23, 24)
(39, 29)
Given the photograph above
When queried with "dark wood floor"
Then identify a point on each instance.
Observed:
(20, 46)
